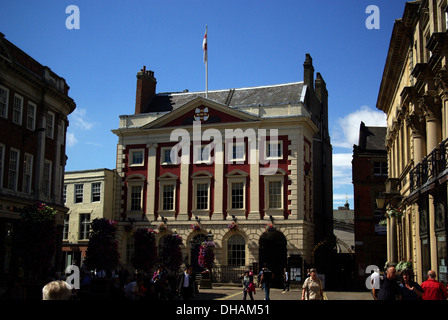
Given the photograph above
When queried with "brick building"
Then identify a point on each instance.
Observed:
(221, 182)
(369, 173)
(34, 105)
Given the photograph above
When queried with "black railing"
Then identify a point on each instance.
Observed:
(431, 167)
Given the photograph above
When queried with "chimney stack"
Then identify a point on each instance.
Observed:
(146, 89)
(308, 72)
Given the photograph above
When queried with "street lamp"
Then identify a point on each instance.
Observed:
(380, 201)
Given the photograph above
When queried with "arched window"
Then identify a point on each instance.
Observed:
(236, 251)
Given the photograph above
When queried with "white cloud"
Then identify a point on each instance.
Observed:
(79, 119)
(71, 139)
(346, 133)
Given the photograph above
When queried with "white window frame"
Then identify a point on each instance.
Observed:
(267, 156)
(75, 192)
(163, 160)
(167, 179)
(201, 177)
(93, 191)
(236, 144)
(17, 109)
(236, 176)
(14, 171)
(135, 180)
(27, 185)
(279, 177)
(131, 157)
(31, 107)
(202, 148)
(5, 102)
(50, 121)
(131, 186)
(84, 226)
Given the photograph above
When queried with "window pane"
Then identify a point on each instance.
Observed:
(202, 196)
(136, 198)
(78, 193)
(236, 252)
(17, 110)
(275, 194)
(137, 157)
(84, 221)
(274, 150)
(96, 191)
(168, 197)
(237, 195)
(3, 102)
(13, 169)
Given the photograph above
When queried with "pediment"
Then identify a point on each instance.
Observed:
(201, 109)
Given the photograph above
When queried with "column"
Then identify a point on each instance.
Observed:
(417, 136)
(219, 182)
(151, 181)
(432, 112)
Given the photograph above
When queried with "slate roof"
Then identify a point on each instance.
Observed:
(372, 138)
(281, 94)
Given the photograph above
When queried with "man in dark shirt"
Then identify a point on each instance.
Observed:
(389, 289)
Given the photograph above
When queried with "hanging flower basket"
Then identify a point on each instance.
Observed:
(233, 226)
(404, 265)
(162, 227)
(206, 254)
(269, 227)
(196, 227)
(394, 212)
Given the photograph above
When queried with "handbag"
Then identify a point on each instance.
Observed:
(251, 287)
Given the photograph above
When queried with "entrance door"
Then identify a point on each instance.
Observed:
(272, 250)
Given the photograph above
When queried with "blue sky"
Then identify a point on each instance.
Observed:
(250, 42)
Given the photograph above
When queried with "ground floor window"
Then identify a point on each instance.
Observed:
(236, 251)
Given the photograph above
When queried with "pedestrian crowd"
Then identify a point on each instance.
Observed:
(391, 287)
(162, 286)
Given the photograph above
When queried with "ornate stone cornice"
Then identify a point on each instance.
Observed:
(441, 82)
(416, 123)
(430, 106)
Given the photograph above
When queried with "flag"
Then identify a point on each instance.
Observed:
(204, 46)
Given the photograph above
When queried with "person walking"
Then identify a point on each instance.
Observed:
(185, 283)
(389, 289)
(410, 290)
(432, 289)
(266, 280)
(285, 280)
(248, 285)
(375, 280)
(312, 288)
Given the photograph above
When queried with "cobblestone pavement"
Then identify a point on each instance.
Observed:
(236, 293)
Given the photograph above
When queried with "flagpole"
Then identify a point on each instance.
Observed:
(206, 63)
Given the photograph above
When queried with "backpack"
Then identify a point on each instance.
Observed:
(267, 275)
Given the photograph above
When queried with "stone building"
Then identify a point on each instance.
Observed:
(258, 158)
(34, 105)
(413, 94)
(88, 195)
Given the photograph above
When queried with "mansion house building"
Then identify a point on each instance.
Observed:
(273, 182)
